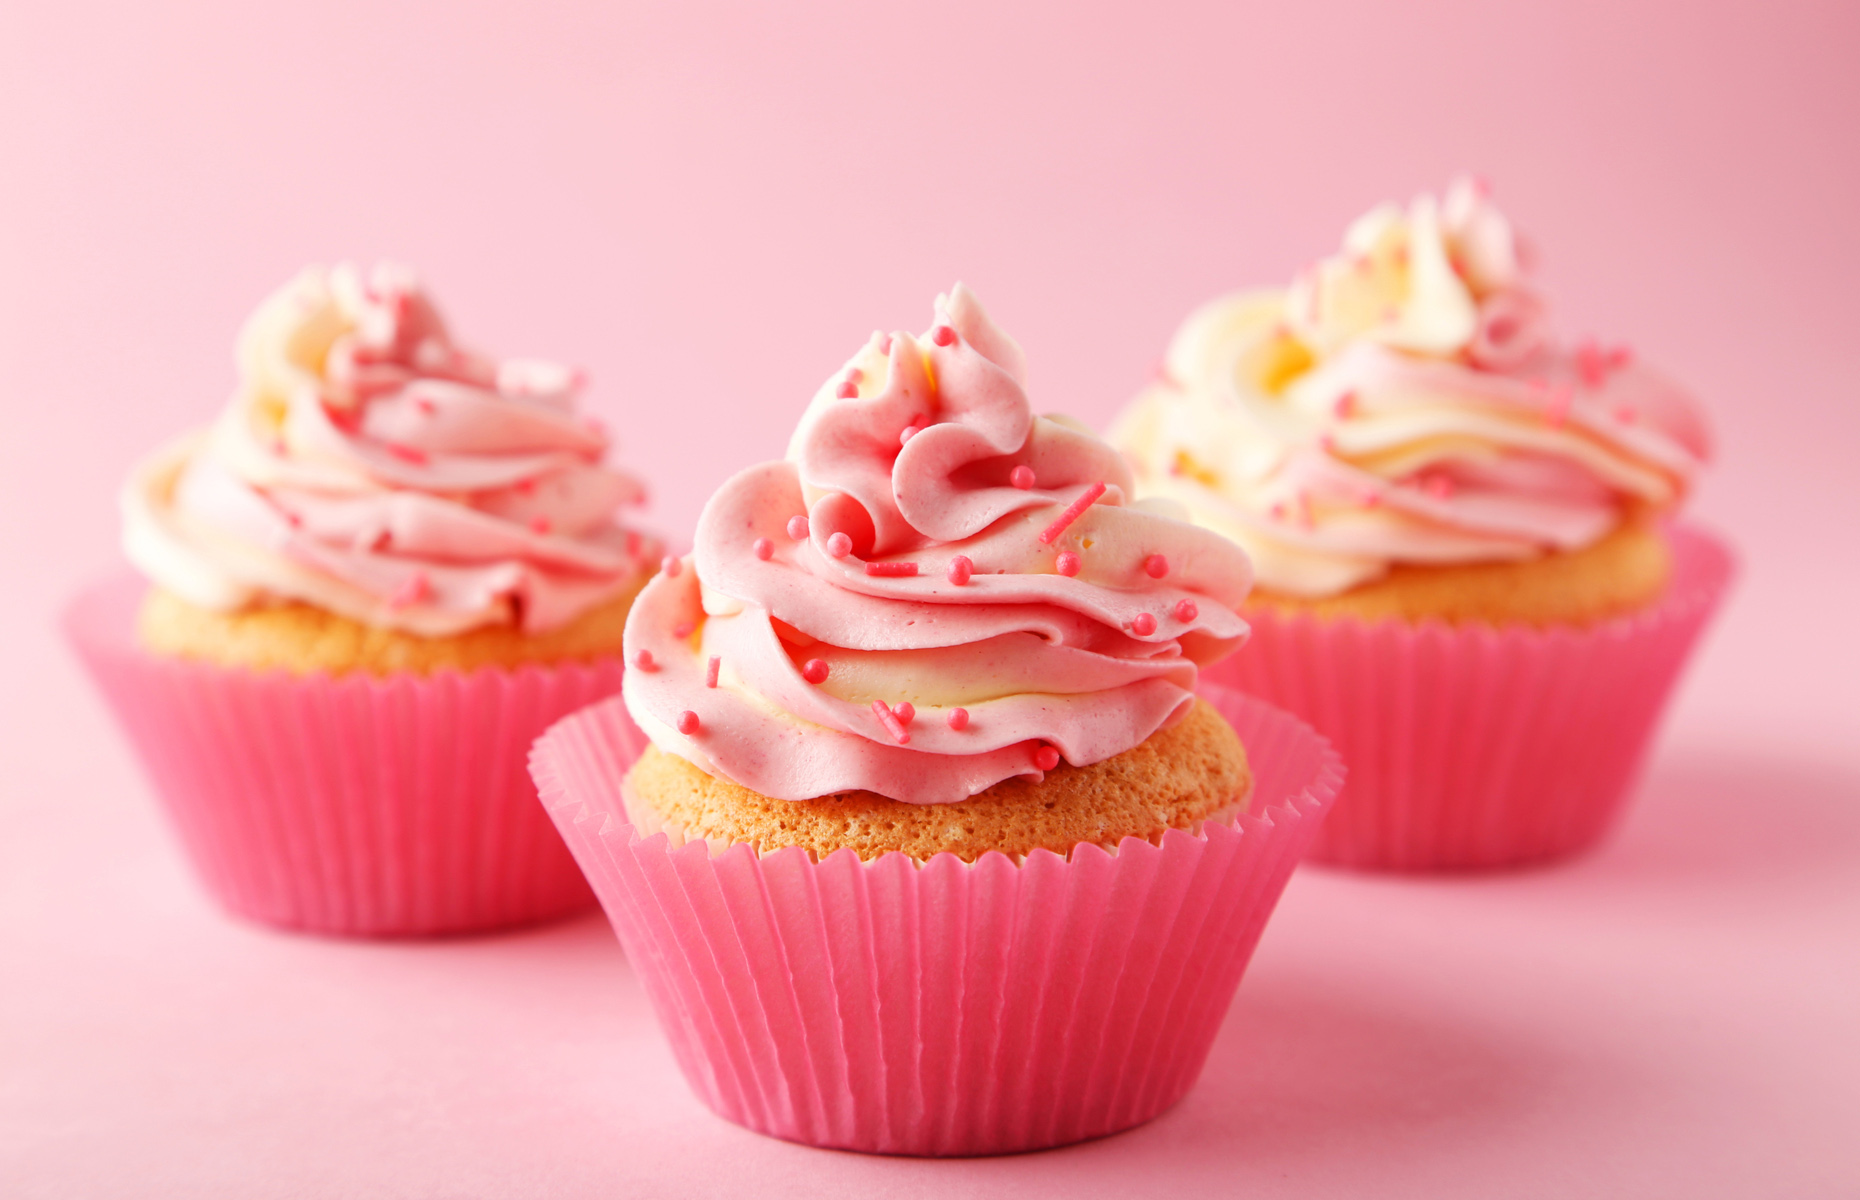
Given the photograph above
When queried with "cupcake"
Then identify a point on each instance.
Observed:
(1462, 527)
(386, 567)
(929, 845)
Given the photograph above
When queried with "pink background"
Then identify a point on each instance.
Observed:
(708, 206)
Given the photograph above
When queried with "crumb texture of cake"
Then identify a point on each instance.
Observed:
(1191, 772)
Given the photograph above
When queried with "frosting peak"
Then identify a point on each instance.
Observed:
(936, 591)
(370, 465)
(1405, 401)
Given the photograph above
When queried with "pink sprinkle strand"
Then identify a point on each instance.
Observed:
(710, 672)
(943, 335)
(1068, 564)
(884, 347)
(1143, 624)
(643, 660)
(839, 545)
(1021, 477)
(958, 719)
(960, 568)
(764, 549)
(408, 454)
(670, 566)
(890, 721)
(815, 671)
(410, 592)
(891, 569)
(797, 528)
(687, 722)
(1073, 511)
(1046, 758)
(1185, 611)
(905, 711)
(1156, 566)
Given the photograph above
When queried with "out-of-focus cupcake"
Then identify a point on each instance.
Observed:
(1461, 525)
(386, 567)
(925, 691)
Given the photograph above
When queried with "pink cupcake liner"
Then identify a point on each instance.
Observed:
(349, 805)
(1475, 747)
(943, 1008)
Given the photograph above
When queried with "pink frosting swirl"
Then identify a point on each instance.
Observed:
(937, 591)
(371, 466)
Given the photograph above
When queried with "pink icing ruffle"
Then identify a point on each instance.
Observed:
(943, 1008)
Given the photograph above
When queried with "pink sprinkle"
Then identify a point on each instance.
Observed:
(404, 453)
(1156, 566)
(839, 545)
(539, 523)
(670, 566)
(904, 711)
(960, 568)
(710, 672)
(764, 549)
(683, 629)
(1346, 405)
(884, 347)
(632, 541)
(943, 335)
(412, 591)
(797, 528)
(426, 406)
(1072, 513)
(1592, 364)
(815, 671)
(1068, 563)
(1021, 477)
(1556, 409)
(907, 433)
(1185, 611)
(892, 725)
(1046, 758)
(891, 569)
(643, 660)
(687, 722)
(854, 375)
(1143, 624)
(848, 390)
(958, 719)
(1438, 486)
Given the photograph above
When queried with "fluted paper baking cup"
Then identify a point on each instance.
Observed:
(941, 1008)
(349, 805)
(1480, 747)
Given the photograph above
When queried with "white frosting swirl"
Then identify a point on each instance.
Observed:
(369, 466)
(1404, 401)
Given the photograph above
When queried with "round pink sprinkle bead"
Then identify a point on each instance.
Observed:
(907, 433)
(1185, 611)
(1021, 477)
(848, 390)
(958, 719)
(943, 335)
(1143, 625)
(839, 545)
(815, 671)
(764, 548)
(643, 660)
(797, 527)
(960, 568)
(1068, 563)
(687, 722)
(1156, 566)
(1046, 758)
(904, 711)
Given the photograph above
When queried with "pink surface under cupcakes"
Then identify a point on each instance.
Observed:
(941, 614)
(1463, 526)
(386, 568)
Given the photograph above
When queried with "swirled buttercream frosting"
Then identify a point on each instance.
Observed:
(1405, 401)
(937, 590)
(370, 466)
